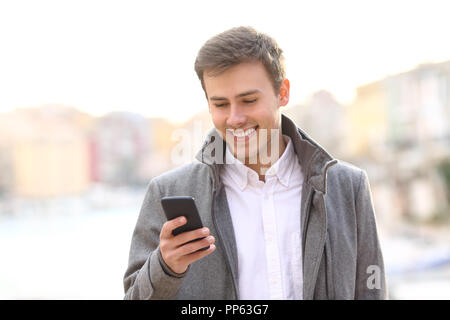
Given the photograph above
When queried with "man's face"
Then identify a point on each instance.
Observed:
(244, 106)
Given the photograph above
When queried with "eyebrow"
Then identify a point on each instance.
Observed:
(246, 93)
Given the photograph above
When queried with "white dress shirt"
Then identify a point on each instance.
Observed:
(266, 222)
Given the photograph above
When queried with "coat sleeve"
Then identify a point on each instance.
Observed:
(370, 270)
(147, 276)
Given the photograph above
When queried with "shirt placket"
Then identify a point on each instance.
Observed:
(271, 241)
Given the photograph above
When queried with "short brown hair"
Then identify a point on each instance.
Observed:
(237, 45)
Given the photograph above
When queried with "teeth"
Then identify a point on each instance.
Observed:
(240, 133)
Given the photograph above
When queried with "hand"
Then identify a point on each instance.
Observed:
(176, 252)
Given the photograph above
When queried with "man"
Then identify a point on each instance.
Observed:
(284, 220)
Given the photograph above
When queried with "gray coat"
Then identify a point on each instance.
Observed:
(342, 258)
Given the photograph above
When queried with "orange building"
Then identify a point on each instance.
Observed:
(48, 151)
(368, 119)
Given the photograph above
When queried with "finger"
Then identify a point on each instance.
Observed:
(184, 237)
(192, 247)
(169, 226)
(190, 258)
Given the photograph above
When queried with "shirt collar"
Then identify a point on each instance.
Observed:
(236, 169)
(282, 168)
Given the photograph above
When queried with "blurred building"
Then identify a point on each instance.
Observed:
(197, 128)
(402, 123)
(6, 162)
(418, 102)
(410, 110)
(324, 119)
(56, 150)
(44, 151)
(120, 144)
(367, 119)
(160, 133)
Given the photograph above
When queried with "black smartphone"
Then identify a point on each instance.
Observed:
(176, 206)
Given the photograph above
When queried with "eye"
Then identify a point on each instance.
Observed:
(249, 101)
(220, 104)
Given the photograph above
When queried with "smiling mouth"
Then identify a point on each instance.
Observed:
(242, 133)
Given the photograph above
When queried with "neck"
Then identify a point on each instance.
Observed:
(261, 168)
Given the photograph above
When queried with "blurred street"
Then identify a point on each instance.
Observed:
(82, 251)
(417, 261)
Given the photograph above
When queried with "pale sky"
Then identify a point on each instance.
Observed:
(102, 56)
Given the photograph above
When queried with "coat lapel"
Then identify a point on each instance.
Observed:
(225, 230)
(314, 232)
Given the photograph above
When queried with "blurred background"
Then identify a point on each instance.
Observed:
(98, 97)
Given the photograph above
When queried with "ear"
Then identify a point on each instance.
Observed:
(284, 92)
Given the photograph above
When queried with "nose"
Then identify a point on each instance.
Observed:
(236, 118)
